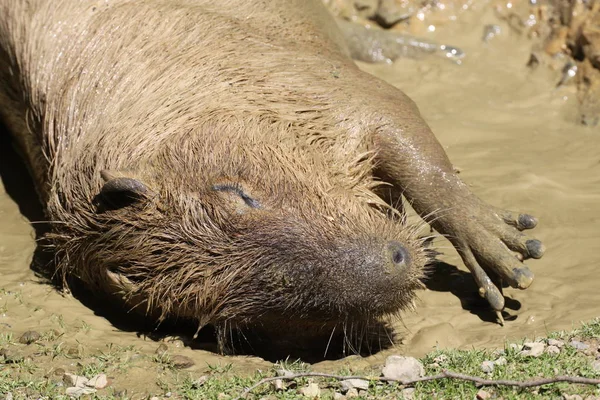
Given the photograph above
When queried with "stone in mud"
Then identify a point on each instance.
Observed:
(556, 342)
(359, 384)
(161, 349)
(532, 349)
(181, 362)
(576, 344)
(9, 356)
(483, 395)
(98, 382)
(403, 368)
(487, 367)
(311, 390)
(29, 337)
(75, 380)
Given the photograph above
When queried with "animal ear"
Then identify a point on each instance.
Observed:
(120, 190)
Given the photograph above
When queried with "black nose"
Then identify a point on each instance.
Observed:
(397, 253)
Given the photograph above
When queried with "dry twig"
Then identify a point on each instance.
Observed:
(444, 375)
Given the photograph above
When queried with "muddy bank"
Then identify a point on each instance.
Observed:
(514, 135)
(564, 35)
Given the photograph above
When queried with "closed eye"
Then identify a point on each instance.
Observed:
(237, 189)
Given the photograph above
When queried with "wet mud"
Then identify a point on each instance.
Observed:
(517, 139)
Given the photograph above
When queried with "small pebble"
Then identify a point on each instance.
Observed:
(74, 380)
(98, 382)
(181, 362)
(487, 367)
(352, 393)
(311, 390)
(278, 385)
(579, 345)
(552, 350)
(8, 396)
(161, 349)
(596, 365)
(555, 342)
(403, 368)
(408, 393)
(154, 398)
(359, 384)
(483, 395)
(338, 396)
(532, 349)
(29, 337)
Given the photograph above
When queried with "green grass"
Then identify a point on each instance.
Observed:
(25, 379)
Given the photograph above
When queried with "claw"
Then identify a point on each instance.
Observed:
(526, 221)
(500, 318)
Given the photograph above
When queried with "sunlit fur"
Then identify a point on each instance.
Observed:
(183, 96)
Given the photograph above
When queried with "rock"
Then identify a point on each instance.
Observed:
(391, 12)
(403, 368)
(181, 362)
(483, 395)
(98, 382)
(77, 391)
(8, 396)
(338, 396)
(352, 393)
(596, 365)
(161, 349)
(278, 385)
(311, 390)
(29, 337)
(10, 356)
(487, 367)
(579, 345)
(359, 384)
(555, 342)
(552, 350)
(74, 380)
(408, 393)
(154, 398)
(500, 361)
(532, 349)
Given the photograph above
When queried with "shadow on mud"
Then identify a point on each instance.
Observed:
(445, 278)
(448, 278)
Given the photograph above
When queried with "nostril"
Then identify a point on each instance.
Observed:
(397, 252)
(398, 256)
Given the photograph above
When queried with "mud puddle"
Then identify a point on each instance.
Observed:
(513, 135)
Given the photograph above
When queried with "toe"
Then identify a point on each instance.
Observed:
(498, 258)
(528, 248)
(521, 221)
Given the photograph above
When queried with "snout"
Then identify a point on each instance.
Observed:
(397, 257)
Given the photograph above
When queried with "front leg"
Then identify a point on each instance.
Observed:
(489, 240)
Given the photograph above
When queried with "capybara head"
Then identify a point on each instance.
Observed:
(253, 233)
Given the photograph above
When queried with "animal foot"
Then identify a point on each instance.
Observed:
(493, 247)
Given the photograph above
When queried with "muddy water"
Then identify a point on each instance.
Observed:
(514, 137)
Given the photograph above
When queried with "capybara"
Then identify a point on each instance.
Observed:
(227, 162)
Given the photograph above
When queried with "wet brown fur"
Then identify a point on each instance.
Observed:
(183, 96)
